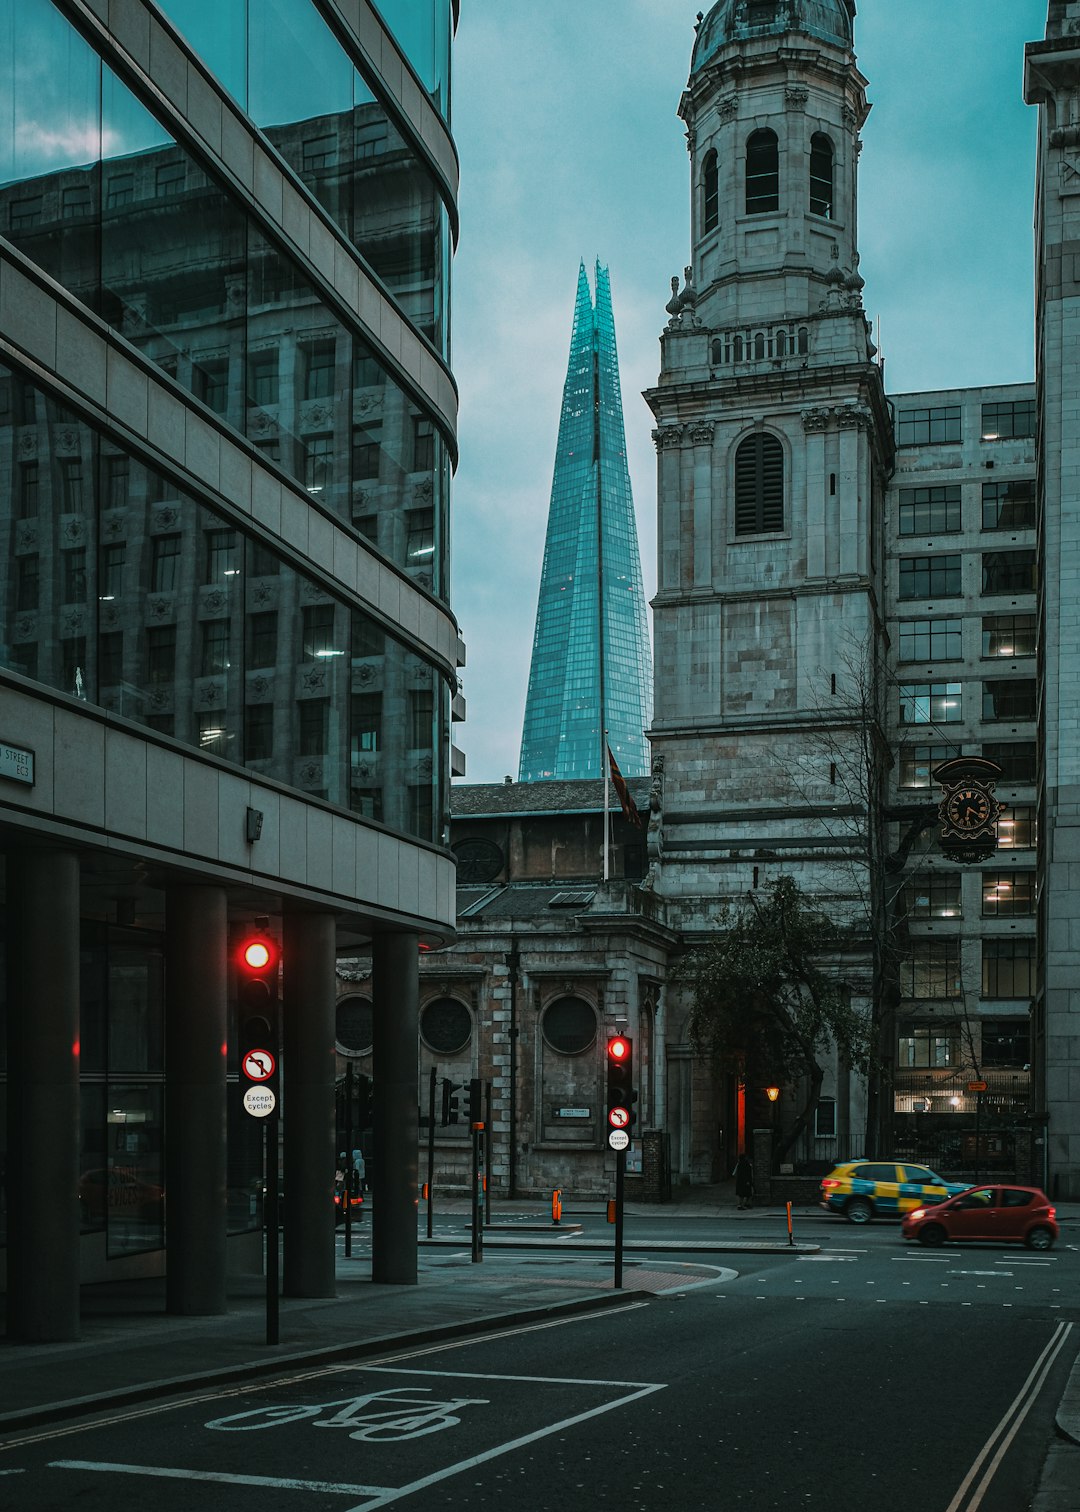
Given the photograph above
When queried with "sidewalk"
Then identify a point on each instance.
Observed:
(131, 1349)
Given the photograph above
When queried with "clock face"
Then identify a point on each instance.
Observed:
(968, 808)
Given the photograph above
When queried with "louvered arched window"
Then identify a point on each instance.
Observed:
(821, 175)
(759, 485)
(710, 193)
(762, 172)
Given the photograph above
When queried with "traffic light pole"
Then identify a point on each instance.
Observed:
(620, 1176)
(271, 1217)
(431, 1151)
(477, 1193)
(487, 1152)
(347, 1195)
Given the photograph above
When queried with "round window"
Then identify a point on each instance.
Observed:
(354, 1033)
(446, 1025)
(569, 1025)
(478, 860)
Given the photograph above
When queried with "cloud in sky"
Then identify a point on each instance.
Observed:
(565, 117)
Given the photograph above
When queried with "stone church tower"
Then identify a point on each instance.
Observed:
(774, 445)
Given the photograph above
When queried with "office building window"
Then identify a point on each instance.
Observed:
(928, 1046)
(1006, 1042)
(917, 762)
(262, 640)
(1008, 894)
(1008, 635)
(314, 726)
(368, 371)
(1017, 829)
(924, 577)
(1016, 758)
(759, 485)
(1008, 967)
(421, 542)
(170, 179)
(366, 443)
(825, 1118)
(931, 969)
(28, 490)
(423, 444)
(165, 564)
(258, 732)
(119, 190)
(927, 427)
(930, 703)
(421, 717)
(318, 631)
(366, 724)
(930, 640)
(111, 584)
(117, 481)
(929, 511)
(77, 202)
(26, 593)
(74, 575)
(1009, 506)
(320, 152)
(161, 654)
(71, 484)
(210, 383)
(821, 175)
(263, 377)
(710, 193)
(215, 648)
(318, 463)
(762, 173)
(933, 895)
(222, 556)
(1008, 572)
(1009, 698)
(213, 736)
(1008, 418)
(26, 213)
(319, 370)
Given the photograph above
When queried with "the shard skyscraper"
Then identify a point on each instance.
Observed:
(591, 669)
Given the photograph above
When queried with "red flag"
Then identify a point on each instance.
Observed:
(629, 807)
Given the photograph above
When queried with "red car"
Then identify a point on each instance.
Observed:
(1013, 1214)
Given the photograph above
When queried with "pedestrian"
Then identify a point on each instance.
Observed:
(744, 1180)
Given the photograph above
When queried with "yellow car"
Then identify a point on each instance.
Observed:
(865, 1189)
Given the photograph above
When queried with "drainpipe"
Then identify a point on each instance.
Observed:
(659, 1063)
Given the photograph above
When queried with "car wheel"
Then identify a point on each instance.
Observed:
(1039, 1238)
(932, 1234)
(859, 1210)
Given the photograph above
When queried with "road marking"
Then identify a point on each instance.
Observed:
(279, 1483)
(982, 1273)
(920, 1259)
(1017, 1411)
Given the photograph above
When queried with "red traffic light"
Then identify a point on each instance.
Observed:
(618, 1049)
(257, 954)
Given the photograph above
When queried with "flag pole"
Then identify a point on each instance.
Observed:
(607, 807)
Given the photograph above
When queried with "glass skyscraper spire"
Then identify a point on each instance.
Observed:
(591, 665)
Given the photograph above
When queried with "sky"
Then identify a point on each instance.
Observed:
(565, 119)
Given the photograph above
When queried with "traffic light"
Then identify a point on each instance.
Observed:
(476, 1101)
(449, 1102)
(257, 1009)
(620, 1082)
(364, 1093)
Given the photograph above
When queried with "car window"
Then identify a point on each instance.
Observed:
(1014, 1198)
(920, 1176)
(983, 1198)
(876, 1173)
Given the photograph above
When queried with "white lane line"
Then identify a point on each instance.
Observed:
(278, 1483)
(1017, 1411)
(920, 1259)
(480, 1459)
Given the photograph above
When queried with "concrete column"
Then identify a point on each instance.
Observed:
(196, 1124)
(395, 1010)
(848, 487)
(816, 489)
(308, 1022)
(43, 1097)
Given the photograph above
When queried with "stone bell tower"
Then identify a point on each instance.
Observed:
(774, 445)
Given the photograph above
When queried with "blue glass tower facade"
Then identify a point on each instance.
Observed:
(591, 665)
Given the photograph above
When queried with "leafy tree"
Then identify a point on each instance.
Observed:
(761, 1000)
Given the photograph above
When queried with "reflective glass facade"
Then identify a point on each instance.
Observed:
(119, 588)
(131, 223)
(591, 666)
(292, 76)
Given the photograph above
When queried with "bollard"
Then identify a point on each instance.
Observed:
(611, 1210)
(790, 1236)
(556, 1205)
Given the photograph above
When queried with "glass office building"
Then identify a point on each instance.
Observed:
(591, 672)
(227, 657)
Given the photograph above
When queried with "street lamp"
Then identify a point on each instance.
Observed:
(772, 1093)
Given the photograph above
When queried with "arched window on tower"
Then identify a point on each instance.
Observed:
(821, 175)
(710, 193)
(762, 172)
(759, 485)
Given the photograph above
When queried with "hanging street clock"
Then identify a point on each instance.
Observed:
(968, 810)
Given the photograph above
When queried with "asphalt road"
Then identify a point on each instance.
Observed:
(870, 1375)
